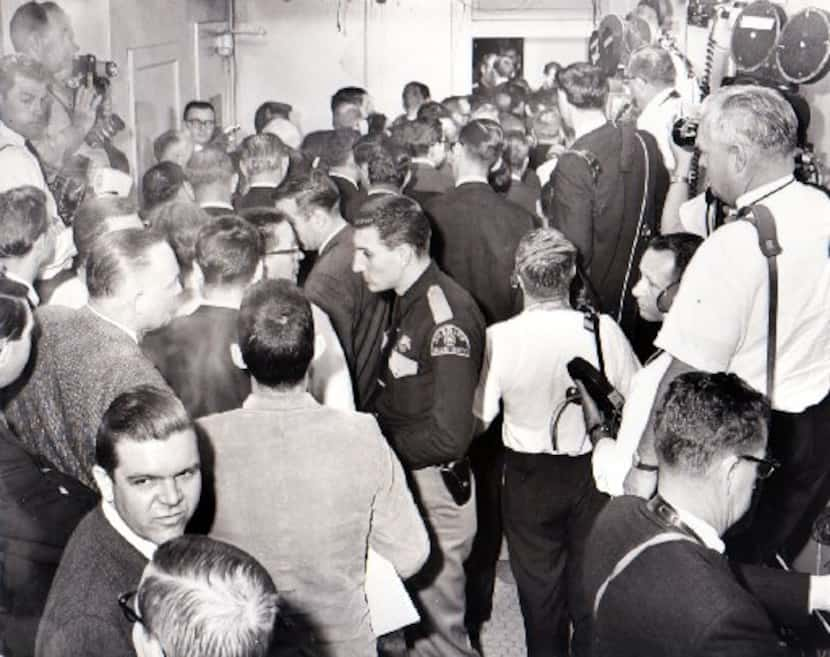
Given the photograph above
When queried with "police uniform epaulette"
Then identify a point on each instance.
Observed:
(438, 305)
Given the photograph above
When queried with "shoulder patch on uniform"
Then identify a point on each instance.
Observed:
(449, 340)
(438, 305)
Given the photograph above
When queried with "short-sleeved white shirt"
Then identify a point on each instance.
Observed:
(525, 366)
(718, 321)
(658, 117)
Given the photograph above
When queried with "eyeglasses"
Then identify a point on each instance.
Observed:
(199, 123)
(765, 466)
(291, 251)
(127, 608)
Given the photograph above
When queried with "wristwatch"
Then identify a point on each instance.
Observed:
(645, 467)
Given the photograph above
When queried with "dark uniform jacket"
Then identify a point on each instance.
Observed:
(599, 190)
(682, 599)
(427, 182)
(359, 317)
(255, 197)
(193, 354)
(351, 197)
(475, 235)
(432, 358)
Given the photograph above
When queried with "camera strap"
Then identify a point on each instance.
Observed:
(591, 323)
(764, 222)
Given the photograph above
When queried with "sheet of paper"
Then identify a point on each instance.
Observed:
(390, 607)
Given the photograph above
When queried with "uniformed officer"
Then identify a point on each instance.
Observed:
(432, 354)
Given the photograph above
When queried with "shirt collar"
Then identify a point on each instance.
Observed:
(748, 198)
(262, 185)
(659, 98)
(216, 204)
(31, 294)
(343, 176)
(380, 191)
(424, 161)
(703, 529)
(590, 126)
(331, 237)
(217, 304)
(126, 329)
(147, 548)
(278, 402)
(11, 136)
(463, 180)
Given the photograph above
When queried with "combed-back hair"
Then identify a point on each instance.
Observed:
(263, 153)
(314, 147)
(585, 85)
(310, 189)
(198, 105)
(546, 263)
(387, 162)
(433, 111)
(347, 96)
(704, 416)
(653, 64)
(180, 223)
(268, 110)
(399, 220)
(13, 65)
(144, 413)
(418, 136)
(90, 220)
(758, 118)
(200, 596)
(338, 147)
(160, 183)
(208, 166)
(228, 251)
(681, 245)
(276, 333)
(23, 220)
(483, 141)
(115, 254)
(14, 315)
(167, 139)
(264, 220)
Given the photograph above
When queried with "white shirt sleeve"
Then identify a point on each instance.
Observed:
(329, 381)
(621, 363)
(488, 392)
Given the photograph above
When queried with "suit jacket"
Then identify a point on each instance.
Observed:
(82, 617)
(475, 235)
(426, 183)
(351, 197)
(255, 197)
(681, 599)
(525, 193)
(359, 317)
(307, 456)
(193, 354)
(80, 364)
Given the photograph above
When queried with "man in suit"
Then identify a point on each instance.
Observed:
(428, 149)
(85, 358)
(193, 353)
(263, 160)
(660, 583)
(311, 203)
(212, 176)
(148, 470)
(383, 164)
(343, 170)
(338, 485)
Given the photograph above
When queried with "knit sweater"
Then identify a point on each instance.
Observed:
(80, 363)
(82, 617)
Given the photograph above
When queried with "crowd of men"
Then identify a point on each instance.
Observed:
(302, 358)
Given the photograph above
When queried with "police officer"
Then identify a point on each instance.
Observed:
(432, 354)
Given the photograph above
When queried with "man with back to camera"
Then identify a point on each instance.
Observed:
(213, 178)
(147, 468)
(338, 156)
(314, 542)
(263, 160)
(720, 317)
(428, 151)
(432, 353)
(198, 596)
(87, 357)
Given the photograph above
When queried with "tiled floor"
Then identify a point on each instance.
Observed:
(503, 634)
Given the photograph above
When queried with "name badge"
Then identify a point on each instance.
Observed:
(400, 365)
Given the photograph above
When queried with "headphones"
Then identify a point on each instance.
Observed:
(666, 297)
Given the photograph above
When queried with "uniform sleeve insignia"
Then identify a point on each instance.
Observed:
(449, 340)
(438, 305)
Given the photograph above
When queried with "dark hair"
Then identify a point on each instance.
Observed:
(703, 416)
(386, 161)
(268, 110)
(200, 596)
(432, 111)
(517, 147)
(398, 219)
(313, 189)
(91, 217)
(161, 183)
(681, 245)
(141, 414)
(585, 85)
(264, 220)
(483, 141)
(14, 315)
(418, 136)
(414, 86)
(29, 18)
(198, 104)
(180, 223)
(164, 141)
(314, 147)
(554, 65)
(338, 147)
(263, 153)
(208, 166)
(276, 333)
(112, 254)
(228, 251)
(376, 124)
(347, 96)
(23, 220)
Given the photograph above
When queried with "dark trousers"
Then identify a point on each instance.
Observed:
(549, 504)
(788, 503)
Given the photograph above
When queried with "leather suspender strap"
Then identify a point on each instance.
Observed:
(761, 217)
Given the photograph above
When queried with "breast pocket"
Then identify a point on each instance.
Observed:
(411, 385)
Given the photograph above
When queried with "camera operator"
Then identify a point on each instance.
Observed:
(549, 499)
(43, 31)
(721, 317)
